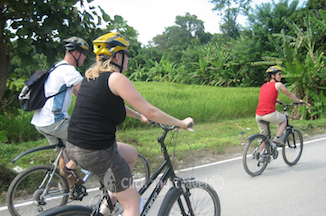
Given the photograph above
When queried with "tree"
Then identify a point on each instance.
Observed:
(224, 7)
(188, 31)
(267, 19)
(39, 24)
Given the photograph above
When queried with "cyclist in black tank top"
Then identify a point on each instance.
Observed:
(99, 109)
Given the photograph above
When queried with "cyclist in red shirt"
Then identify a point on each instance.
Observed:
(267, 101)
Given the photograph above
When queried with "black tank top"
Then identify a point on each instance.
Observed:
(96, 114)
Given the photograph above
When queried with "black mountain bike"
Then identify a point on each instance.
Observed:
(255, 162)
(41, 187)
(186, 196)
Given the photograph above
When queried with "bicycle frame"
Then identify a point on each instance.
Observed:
(268, 147)
(168, 174)
(55, 163)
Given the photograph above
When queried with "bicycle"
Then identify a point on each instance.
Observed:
(255, 163)
(185, 197)
(41, 187)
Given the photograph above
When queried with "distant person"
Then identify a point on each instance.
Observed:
(267, 101)
(52, 120)
(99, 108)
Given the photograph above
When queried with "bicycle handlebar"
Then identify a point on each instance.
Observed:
(291, 104)
(167, 127)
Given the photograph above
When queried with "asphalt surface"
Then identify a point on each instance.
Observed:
(280, 190)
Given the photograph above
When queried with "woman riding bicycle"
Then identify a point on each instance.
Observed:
(267, 102)
(99, 109)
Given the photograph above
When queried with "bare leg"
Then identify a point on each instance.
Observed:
(280, 129)
(71, 165)
(261, 147)
(130, 200)
(130, 155)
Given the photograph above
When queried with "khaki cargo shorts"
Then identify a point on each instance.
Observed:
(274, 118)
(106, 164)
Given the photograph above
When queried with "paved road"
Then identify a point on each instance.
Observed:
(280, 190)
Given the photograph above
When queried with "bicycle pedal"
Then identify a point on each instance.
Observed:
(189, 179)
(78, 192)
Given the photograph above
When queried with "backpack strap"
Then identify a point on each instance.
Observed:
(52, 69)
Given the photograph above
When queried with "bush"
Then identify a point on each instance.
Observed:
(18, 128)
(7, 176)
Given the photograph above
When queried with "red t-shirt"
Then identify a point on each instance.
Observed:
(267, 99)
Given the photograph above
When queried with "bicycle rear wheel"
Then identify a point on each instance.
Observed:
(251, 158)
(203, 199)
(292, 150)
(70, 210)
(141, 171)
(24, 196)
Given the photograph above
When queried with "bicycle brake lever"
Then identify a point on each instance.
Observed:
(190, 127)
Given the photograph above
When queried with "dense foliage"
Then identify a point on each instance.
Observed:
(284, 33)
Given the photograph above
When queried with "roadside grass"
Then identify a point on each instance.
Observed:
(210, 142)
(215, 138)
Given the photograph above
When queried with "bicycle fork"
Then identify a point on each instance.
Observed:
(186, 194)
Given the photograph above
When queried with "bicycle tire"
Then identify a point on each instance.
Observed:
(23, 196)
(292, 150)
(70, 210)
(251, 156)
(141, 171)
(204, 200)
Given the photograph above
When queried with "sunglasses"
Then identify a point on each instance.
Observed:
(127, 53)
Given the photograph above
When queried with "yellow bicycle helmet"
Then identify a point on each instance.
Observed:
(76, 43)
(110, 44)
(273, 69)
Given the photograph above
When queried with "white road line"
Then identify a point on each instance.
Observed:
(237, 158)
(203, 166)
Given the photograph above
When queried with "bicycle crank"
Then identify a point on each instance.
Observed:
(78, 192)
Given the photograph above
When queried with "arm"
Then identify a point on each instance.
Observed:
(280, 86)
(76, 88)
(121, 86)
(136, 115)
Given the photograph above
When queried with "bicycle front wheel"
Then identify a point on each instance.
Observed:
(141, 171)
(252, 160)
(26, 193)
(70, 210)
(292, 150)
(203, 200)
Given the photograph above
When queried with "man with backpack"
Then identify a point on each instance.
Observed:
(52, 119)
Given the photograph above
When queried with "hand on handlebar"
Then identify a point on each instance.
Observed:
(301, 102)
(188, 123)
(296, 103)
(143, 119)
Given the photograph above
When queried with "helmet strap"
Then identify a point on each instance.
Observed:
(123, 59)
(120, 66)
(75, 58)
(274, 76)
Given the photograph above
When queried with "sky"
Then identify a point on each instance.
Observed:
(151, 17)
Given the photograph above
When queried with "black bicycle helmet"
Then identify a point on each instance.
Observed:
(76, 43)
